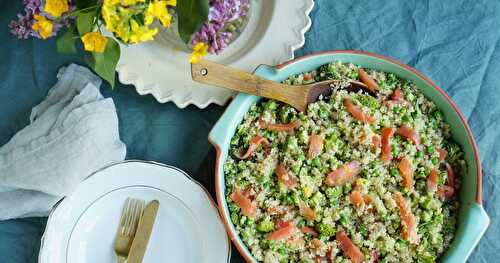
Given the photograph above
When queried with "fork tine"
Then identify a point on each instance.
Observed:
(130, 217)
(138, 216)
(128, 211)
(124, 215)
(134, 217)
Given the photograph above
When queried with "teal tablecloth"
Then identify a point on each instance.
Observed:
(455, 42)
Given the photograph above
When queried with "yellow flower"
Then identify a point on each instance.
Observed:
(110, 16)
(157, 9)
(171, 2)
(94, 41)
(111, 2)
(131, 2)
(141, 33)
(56, 7)
(199, 50)
(42, 26)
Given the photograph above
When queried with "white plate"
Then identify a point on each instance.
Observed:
(187, 228)
(274, 31)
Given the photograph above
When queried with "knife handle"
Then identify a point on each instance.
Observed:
(144, 229)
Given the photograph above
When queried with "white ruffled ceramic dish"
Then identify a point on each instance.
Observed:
(274, 31)
(188, 227)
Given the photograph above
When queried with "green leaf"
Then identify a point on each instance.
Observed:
(66, 41)
(85, 22)
(80, 4)
(192, 14)
(104, 64)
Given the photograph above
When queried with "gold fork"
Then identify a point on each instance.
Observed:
(131, 214)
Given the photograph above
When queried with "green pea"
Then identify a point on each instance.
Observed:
(323, 112)
(316, 162)
(426, 216)
(301, 223)
(416, 114)
(295, 198)
(353, 75)
(362, 230)
(435, 160)
(261, 179)
(394, 172)
(391, 77)
(344, 220)
(426, 203)
(430, 149)
(296, 168)
(292, 143)
(302, 116)
(333, 192)
(347, 188)
(245, 235)
(234, 218)
(437, 115)
(402, 242)
(406, 118)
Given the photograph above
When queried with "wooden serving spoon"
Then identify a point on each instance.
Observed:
(297, 96)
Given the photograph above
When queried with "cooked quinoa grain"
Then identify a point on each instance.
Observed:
(355, 178)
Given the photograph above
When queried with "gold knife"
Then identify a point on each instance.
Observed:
(144, 229)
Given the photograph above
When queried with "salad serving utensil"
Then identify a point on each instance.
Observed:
(297, 96)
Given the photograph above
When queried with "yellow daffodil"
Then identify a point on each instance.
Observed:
(141, 33)
(42, 26)
(157, 9)
(56, 7)
(94, 41)
(199, 50)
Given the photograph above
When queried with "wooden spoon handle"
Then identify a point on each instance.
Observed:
(211, 73)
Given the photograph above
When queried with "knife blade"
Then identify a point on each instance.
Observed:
(144, 229)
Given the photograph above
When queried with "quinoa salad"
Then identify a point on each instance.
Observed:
(356, 178)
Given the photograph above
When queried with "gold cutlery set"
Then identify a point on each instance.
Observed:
(134, 230)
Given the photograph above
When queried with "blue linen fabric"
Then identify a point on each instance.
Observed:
(454, 42)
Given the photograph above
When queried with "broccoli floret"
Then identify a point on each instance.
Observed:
(369, 101)
(265, 226)
(333, 193)
(271, 105)
(325, 230)
(328, 71)
(292, 143)
(318, 199)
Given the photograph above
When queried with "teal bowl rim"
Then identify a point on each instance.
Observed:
(220, 194)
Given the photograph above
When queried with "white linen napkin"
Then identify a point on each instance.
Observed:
(71, 134)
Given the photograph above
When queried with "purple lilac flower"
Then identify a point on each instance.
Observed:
(213, 31)
(22, 27)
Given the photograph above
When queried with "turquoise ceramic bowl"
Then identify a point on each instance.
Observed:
(473, 220)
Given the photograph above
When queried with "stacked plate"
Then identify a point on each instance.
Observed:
(188, 228)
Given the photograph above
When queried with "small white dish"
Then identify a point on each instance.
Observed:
(188, 227)
(274, 31)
